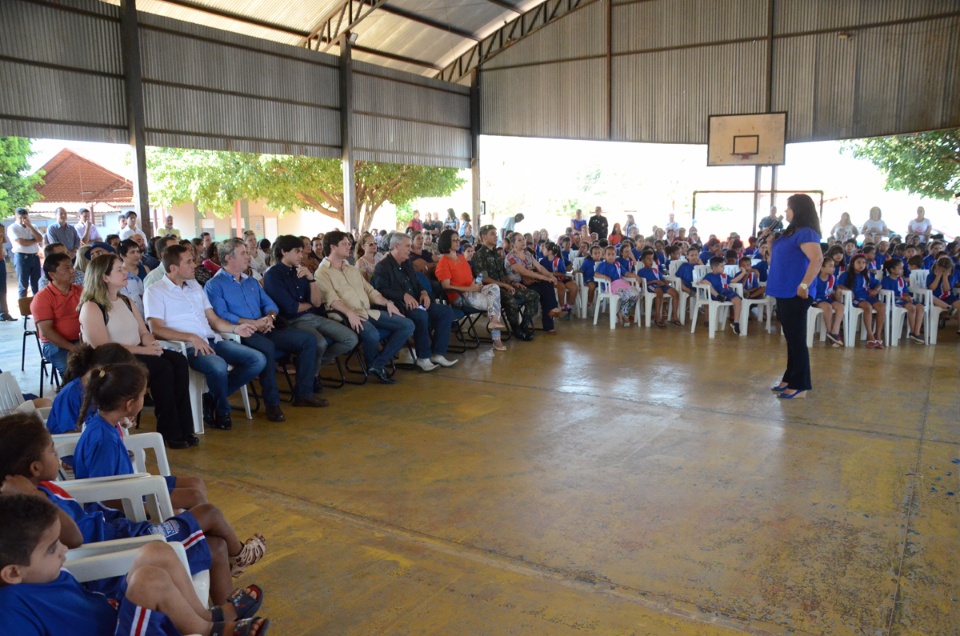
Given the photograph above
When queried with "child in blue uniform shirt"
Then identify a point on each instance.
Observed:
(566, 288)
(894, 281)
(941, 281)
(653, 277)
(749, 278)
(719, 284)
(685, 271)
(38, 598)
(823, 296)
(587, 269)
(27, 453)
(65, 413)
(611, 269)
(865, 289)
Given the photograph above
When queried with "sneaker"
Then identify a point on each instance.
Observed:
(252, 551)
(917, 338)
(736, 327)
(834, 339)
(426, 365)
(443, 362)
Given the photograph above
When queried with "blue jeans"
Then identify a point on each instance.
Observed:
(247, 364)
(28, 273)
(393, 330)
(437, 319)
(285, 341)
(333, 338)
(56, 356)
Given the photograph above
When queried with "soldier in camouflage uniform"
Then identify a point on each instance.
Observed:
(490, 265)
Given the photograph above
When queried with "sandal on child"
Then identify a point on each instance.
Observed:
(246, 601)
(499, 346)
(243, 627)
(252, 551)
(676, 322)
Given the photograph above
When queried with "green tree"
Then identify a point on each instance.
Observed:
(927, 164)
(215, 180)
(16, 187)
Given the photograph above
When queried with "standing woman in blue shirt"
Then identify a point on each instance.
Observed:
(795, 260)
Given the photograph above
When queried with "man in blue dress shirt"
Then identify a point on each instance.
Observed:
(65, 234)
(238, 298)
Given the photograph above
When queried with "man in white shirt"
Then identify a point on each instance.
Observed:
(672, 224)
(132, 228)
(25, 241)
(509, 225)
(178, 309)
(87, 231)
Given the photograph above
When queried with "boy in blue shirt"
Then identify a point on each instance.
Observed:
(685, 271)
(719, 284)
(37, 597)
(749, 278)
(587, 268)
(653, 277)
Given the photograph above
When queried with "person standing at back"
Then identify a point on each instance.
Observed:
(598, 224)
(26, 241)
(63, 233)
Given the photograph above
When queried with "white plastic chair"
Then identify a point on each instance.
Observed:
(198, 383)
(764, 305)
(716, 309)
(583, 296)
(686, 300)
(138, 444)
(924, 296)
(852, 318)
(602, 294)
(893, 329)
(140, 494)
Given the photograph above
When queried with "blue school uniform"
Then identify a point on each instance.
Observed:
(822, 290)
(66, 408)
(101, 452)
(636, 253)
(685, 274)
(899, 286)
(705, 257)
(625, 265)
(555, 265)
(99, 523)
(613, 271)
(650, 274)
(587, 269)
(862, 290)
(565, 255)
(661, 258)
(946, 295)
(62, 606)
(762, 268)
(720, 285)
(929, 261)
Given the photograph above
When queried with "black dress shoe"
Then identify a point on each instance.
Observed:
(5, 317)
(381, 375)
(526, 336)
(208, 416)
(274, 414)
(193, 440)
(310, 400)
(177, 444)
(317, 387)
(223, 422)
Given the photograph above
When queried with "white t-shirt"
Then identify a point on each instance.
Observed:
(874, 227)
(126, 233)
(17, 231)
(180, 308)
(919, 227)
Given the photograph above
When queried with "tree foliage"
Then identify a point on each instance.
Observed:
(215, 180)
(927, 164)
(17, 188)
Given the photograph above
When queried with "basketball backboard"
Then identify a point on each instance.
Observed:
(747, 140)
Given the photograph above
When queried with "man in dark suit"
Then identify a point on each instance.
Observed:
(396, 279)
(598, 224)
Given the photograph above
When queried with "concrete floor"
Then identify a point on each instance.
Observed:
(639, 481)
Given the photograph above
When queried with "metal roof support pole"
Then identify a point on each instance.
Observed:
(771, 25)
(350, 216)
(133, 88)
(475, 146)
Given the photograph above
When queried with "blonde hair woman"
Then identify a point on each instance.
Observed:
(106, 316)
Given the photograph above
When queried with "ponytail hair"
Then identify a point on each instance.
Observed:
(111, 385)
(889, 264)
(84, 357)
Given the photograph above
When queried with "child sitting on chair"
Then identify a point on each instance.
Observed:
(719, 285)
(941, 281)
(610, 269)
(685, 271)
(865, 289)
(553, 262)
(749, 278)
(894, 281)
(653, 278)
(38, 597)
(587, 268)
(824, 297)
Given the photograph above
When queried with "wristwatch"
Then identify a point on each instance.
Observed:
(804, 286)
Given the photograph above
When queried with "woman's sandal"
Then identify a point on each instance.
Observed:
(252, 551)
(676, 322)
(255, 626)
(499, 346)
(246, 601)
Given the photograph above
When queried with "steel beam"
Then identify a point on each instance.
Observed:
(395, 57)
(350, 216)
(339, 21)
(504, 5)
(245, 19)
(507, 35)
(133, 90)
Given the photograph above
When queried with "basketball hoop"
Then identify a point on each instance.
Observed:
(743, 155)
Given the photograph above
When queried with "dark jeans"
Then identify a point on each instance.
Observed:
(548, 301)
(169, 385)
(247, 364)
(393, 330)
(3, 287)
(28, 273)
(285, 341)
(333, 338)
(436, 319)
(793, 319)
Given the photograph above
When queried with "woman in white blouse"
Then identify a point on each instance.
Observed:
(875, 227)
(106, 316)
(845, 229)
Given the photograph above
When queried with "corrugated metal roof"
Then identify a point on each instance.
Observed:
(407, 43)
